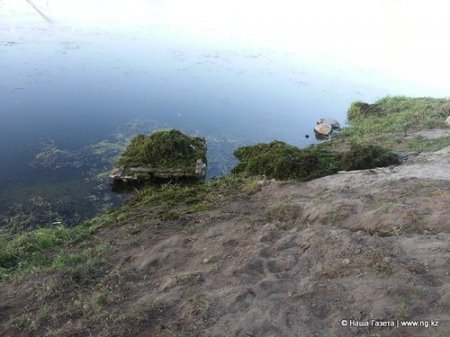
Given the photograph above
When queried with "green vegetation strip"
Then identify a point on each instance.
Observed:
(43, 247)
(22, 253)
(374, 130)
(282, 161)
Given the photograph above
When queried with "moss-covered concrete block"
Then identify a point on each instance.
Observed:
(163, 154)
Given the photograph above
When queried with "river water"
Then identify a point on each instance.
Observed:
(79, 78)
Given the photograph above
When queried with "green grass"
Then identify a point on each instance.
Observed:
(44, 247)
(176, 200)
(388, 120)
(419, 143)
(56, 248)
(403, 307)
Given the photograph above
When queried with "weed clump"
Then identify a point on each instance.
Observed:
(358, 110)
(44, 247)
(164, 149)
(282, 161)
(362, 157)
(397, 115)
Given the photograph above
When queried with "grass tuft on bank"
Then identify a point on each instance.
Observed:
(389, 121)
(362, 157)
(43, 247)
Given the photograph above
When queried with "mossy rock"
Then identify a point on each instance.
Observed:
(282, 161)
(167, 149)
(361, 157)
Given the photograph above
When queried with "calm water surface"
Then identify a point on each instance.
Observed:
(74, 90)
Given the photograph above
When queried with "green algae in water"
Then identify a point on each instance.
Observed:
(72, 184)
(166, 149)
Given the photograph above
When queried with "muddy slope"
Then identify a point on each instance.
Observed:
(283, 259)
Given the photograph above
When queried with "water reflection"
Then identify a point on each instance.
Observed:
(400, 38)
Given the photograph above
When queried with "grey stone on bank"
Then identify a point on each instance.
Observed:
(323, 129)
(334, 123)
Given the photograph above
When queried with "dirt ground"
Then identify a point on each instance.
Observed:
(323, 258)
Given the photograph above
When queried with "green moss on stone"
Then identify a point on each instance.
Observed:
(167, 149)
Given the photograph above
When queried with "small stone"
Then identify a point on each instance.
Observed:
(334, 123)
(345, 262)
(323, 129)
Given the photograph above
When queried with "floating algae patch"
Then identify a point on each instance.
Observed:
(163, 154)
(283, 161)
(94, 156)
(49, 156)
(67, 186)
(39, 212)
